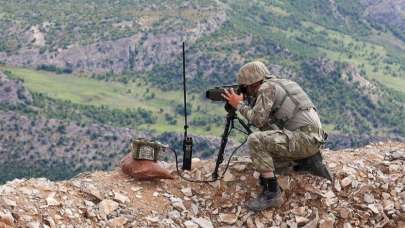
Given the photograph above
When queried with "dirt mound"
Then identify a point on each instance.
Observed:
(368, 192)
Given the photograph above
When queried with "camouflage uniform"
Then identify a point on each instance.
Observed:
(300, 136)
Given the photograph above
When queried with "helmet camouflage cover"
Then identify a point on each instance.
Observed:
(252, 72)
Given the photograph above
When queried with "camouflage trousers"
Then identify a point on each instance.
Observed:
(280, 146)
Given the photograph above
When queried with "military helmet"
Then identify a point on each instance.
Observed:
(252, 72)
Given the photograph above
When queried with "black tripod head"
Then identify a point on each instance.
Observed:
(230, 109)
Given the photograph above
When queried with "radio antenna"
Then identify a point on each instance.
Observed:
(187, 141)
(184, 91)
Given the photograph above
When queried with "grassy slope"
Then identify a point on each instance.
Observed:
(86, 91)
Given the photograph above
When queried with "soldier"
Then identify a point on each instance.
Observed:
(290, 129)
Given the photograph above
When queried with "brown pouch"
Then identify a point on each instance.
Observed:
(143, 169)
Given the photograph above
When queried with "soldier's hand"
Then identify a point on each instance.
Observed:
(232, 98)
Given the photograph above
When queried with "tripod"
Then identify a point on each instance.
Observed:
(230, 117)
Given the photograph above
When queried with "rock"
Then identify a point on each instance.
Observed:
(395, 155)
(168, 223)
(28, 191)
(194, 209)
(373, 208)
(174, 215)
(239, 167)
(138, 196)
(332, 165)
(368, 198)
(136, 189)
(314, 219)
(69, 213)
(153, 219)
(344, 212)
(88, 203)
(388, 205)
(337, 186)
(121, 197)
(300, 211)
(284, 182)
(51, 201)
(249, 223)
(277, 219)
(385, 195)
(92, 190)
(330, 198)
(50, 221)
(229, 177)
(331, 201)
(346, 181)
(402, 195)
(203, 222)
(6, 218)
(385, 186)
(215, 184)
(228, 218)
(268, 214)
(190, 224)
(290, 224)
(258, 223)
(187, 192)
(6, 189)
(326, 223)
(347, 225)
(301, 220)
(10, 202)
(34, 224)
(117, 222)
(107, 206)
(179, 206)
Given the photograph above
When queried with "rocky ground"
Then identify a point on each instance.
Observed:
(368, 191)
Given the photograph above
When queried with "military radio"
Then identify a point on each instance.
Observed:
(214, 94)
(187, 141)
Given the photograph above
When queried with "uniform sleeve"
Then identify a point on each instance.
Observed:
(259, 114)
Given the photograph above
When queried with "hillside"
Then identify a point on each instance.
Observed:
(32, 145)
(368, 191)
(326, 45)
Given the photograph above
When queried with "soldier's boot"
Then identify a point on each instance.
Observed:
(270, 197)
(313, 165)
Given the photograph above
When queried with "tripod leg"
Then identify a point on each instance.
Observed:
(244, 125)
(224, 141)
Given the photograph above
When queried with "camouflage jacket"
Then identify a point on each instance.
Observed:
(260, 111)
